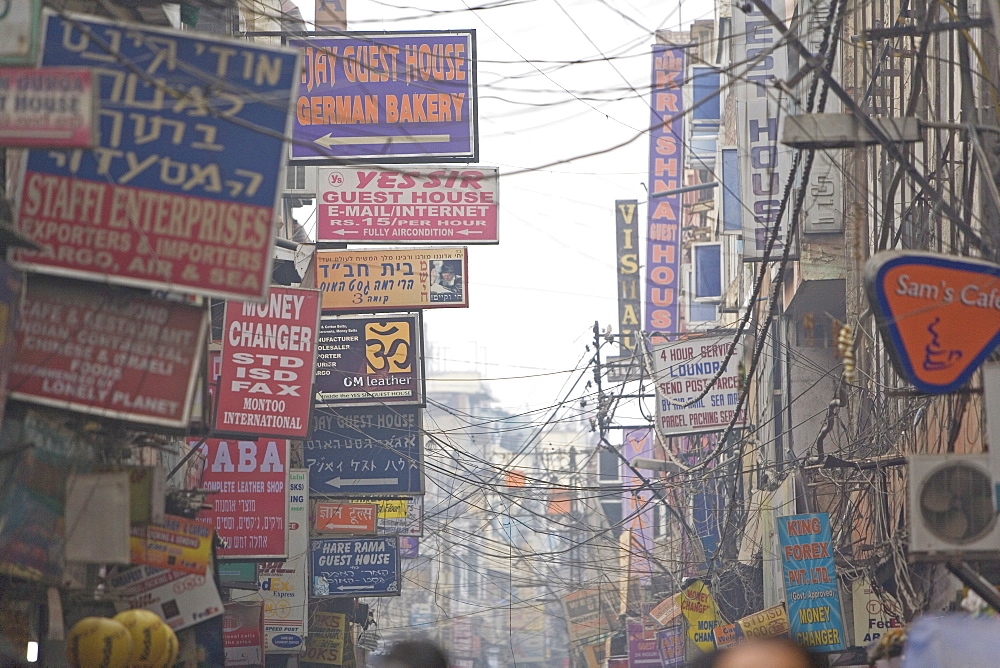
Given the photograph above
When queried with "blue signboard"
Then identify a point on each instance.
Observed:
(355, 566)
(181, 192)
(365, 451)
(811, 591)
(391, 97)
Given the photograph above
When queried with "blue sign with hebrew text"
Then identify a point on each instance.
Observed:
(180, 193)
(365, 451)
(355, 566)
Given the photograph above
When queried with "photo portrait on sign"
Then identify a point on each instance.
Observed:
(446, 281)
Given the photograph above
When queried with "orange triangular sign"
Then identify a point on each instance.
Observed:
(939, 315)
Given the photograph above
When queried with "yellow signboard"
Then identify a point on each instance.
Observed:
(698, 608)
(325, 643)
(179, 544)
(356, 281)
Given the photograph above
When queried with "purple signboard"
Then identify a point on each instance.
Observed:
(390, 97)
(637, 508)
(666, 160)
(642, 650)
(670, 645)
(409, 547)
(369, 361)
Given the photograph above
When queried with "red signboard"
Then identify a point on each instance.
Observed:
(411, 205)
(250, 505)
(47, 107)
(111, 352)
(243, 633)
(349, 518)
(268, 357)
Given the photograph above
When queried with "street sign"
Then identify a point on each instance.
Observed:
(181, 192)
(363, 451)
(939, 315)
(370, 361)
(356, 281)
(47, 107)
(415, 205)
(387, 97)
(355, 566)
(349, 518)
(395, 516)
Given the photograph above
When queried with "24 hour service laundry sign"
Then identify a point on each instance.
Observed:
(681, 371)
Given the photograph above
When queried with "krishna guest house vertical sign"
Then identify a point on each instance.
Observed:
(268, 357)
(666, 161)
(169, 199)
(810, 576)
(250, 503)
(387, 96)
(939, 315)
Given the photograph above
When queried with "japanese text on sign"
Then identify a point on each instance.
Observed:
(388, 95)
(373, 450)
(168, 199)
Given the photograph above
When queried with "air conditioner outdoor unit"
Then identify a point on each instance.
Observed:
(952, 507)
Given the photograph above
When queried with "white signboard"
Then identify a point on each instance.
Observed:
(284, 585)
(871, 620)
(764, 163)
(181, 599)
(681, 371)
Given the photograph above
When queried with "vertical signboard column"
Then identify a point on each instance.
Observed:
(666, 171)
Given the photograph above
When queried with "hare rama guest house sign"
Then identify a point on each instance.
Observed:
(939, 315)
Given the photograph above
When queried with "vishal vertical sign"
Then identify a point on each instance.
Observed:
(666, 159)
(627, 242)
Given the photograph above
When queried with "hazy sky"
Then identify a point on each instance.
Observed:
(558, 79)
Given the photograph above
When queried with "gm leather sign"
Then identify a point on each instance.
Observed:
(939, 315)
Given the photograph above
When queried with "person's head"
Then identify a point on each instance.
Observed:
(414, 654)
(769, 653)
(448, 270)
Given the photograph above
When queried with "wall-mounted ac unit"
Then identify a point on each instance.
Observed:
(952, 507)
